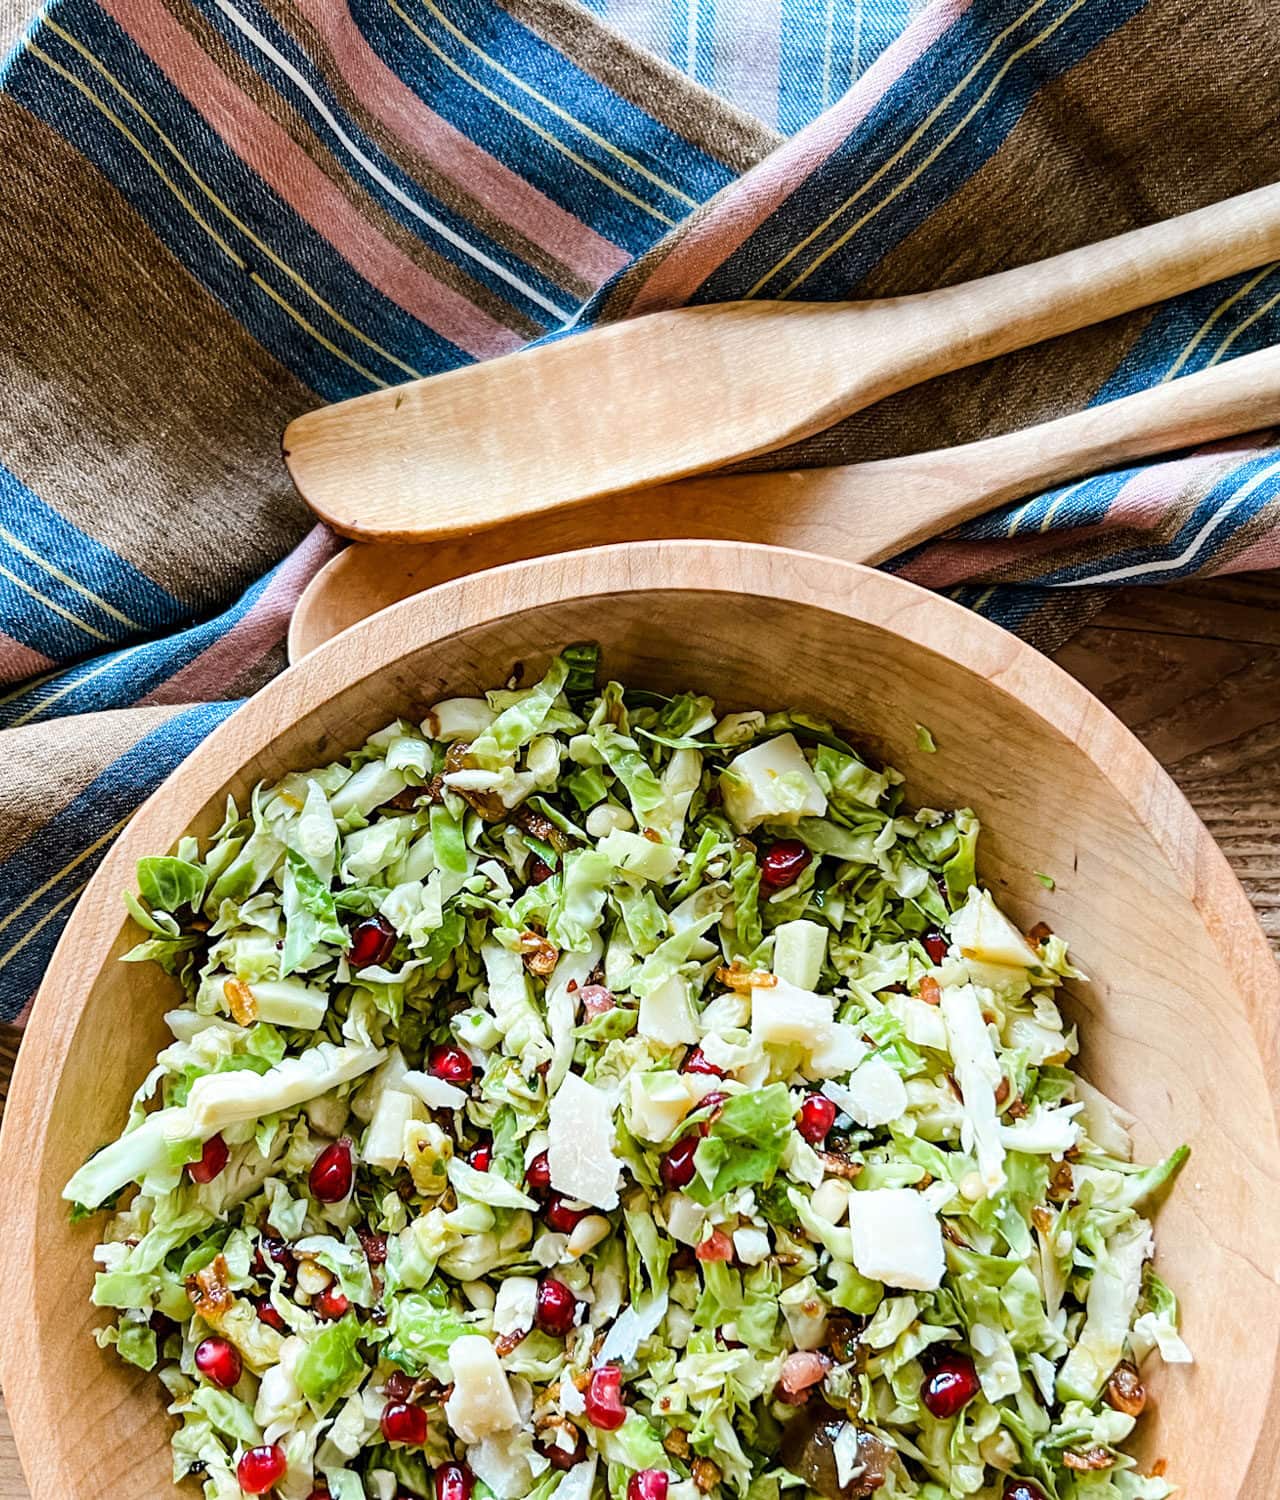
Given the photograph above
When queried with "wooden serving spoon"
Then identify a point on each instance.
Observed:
(643, 402)
(859, 512)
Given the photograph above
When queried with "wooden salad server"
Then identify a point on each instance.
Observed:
(645, 401)
(859, 512)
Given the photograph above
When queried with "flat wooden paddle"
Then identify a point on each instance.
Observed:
(860, 512)
(646, 401)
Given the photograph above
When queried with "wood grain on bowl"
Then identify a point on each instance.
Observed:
(1179, 1020)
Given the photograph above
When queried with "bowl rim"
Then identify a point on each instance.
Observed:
(843, 589)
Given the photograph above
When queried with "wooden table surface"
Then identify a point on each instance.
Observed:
(1195, 673)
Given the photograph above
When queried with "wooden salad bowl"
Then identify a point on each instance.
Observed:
(1178, 1021)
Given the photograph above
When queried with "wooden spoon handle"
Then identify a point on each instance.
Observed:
(643, 402)
(860, 512)
(889, 505)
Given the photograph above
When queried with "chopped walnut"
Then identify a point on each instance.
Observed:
(241, 1001)
(1042, 1218)
(506, 1342)
(1092, 1458)
(1039, 933)
(1061, 1182)
(1125, 1390)
(930, 990)
(1002, 1091)
(540, 955)
(839, 1165)
(676, 1442)
(541, 827)
(1018, 1109)
(706, 1475)
(210, 1294)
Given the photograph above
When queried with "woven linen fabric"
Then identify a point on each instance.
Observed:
(214, 215)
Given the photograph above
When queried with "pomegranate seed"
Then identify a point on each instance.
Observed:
(220, 1361)
(562, 1218)
(596, 1000)
(373, 1244)
(950, 1383)
(268, 1314)
(604, 1398)
(371, 942)
(452, 1064)
(716, 1246)
(648, 1484)
(1022, 1489)
(817, 1116)
(784, 864)
(453, 1482)
(399, 1386)
(563, 1458)
(261, 1469)
(935, 945)
(212, 1160)
(321, 1492)
(539, 870)
(403, 1423)
(697, 1063)
(481, 1157)
(274, 1250)
(330, 1304)
(556, 1307)
(676, 1167)
(331, 1176)
(715, 1102)
(161, 1326)
(538, 1173)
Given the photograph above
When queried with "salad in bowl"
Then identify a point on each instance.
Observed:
(589, 1093)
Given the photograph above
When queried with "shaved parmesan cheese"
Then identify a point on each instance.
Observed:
(772, 782)
(514, 1306)
(579, 1482)
(666, 1015)
(572, 1401)
(874, 1095)
(897, 1238)
(482, 1401)
(978, 1074)
(580, 1144)
(434, 1092)
(982, 932)
(630, 1329)
(784, 1013)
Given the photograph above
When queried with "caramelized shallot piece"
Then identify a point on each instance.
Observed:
(735, 978)
(241, 1002)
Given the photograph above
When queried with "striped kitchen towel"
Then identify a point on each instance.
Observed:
(215, 213)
